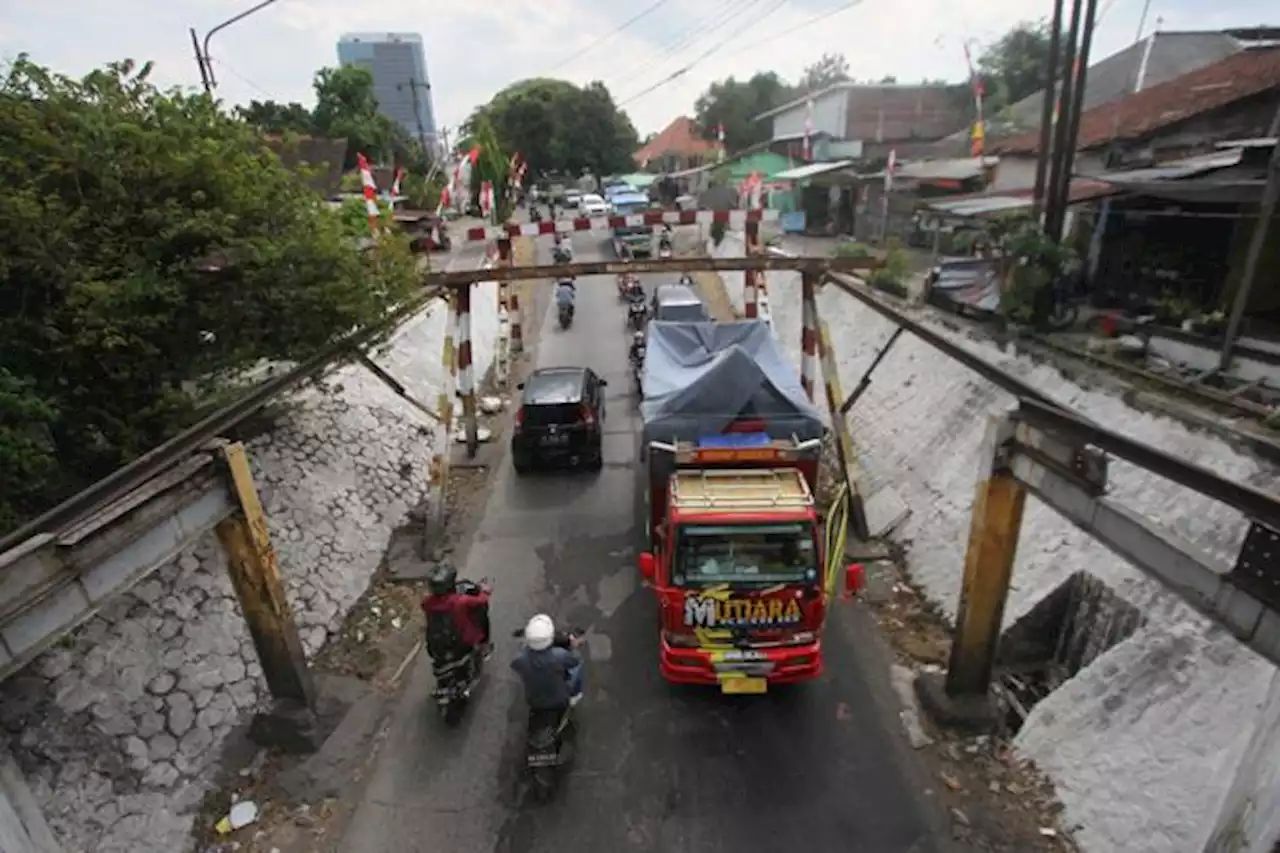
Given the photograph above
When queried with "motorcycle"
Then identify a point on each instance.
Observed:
(535, 215)
(637, 360)
(664, 247)
(457, 676)
(551, 736)
(624, 286)
(637, 312)
(566, 314)
(561, 255)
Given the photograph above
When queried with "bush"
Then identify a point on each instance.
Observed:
(151, 244)
(854, 250)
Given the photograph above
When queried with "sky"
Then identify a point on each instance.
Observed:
(475, 49)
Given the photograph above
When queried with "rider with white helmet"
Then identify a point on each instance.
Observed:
(549, 669)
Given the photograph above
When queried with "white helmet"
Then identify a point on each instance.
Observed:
(540, 633)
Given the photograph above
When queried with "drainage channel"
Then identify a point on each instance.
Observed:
(1065, 632)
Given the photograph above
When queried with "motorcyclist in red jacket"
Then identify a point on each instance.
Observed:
(457, 614)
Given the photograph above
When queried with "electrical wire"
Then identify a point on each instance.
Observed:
(243, 79)
(653, 7)
(680, 72)
(702, 27)
(816, 19)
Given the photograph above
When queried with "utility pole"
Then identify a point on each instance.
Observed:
(201, 63)
(1073, 117)
(202, 54)
(1053, 213)
(1261, 228)
(1046, 111)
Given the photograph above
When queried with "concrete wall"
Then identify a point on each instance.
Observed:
(1146, 743)
(118, 728)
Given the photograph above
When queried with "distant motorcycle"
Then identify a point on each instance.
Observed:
(636, 357)
(535, 215)
(565, 314)
(637, 311)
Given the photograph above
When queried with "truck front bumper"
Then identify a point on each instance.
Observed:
(775, 664)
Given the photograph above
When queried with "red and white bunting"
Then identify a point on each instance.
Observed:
(732, 218)
(370, 192)
(486, 198)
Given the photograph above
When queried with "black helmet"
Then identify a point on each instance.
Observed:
(443, 579)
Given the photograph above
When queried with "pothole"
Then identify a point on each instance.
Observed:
(1065, 632)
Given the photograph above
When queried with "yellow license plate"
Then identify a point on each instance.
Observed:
(744, 685)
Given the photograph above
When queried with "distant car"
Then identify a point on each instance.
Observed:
(572, 198)
(593, 205)
(686, 202)
(678, 303)
(559, 419)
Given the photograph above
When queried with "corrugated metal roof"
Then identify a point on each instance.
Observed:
(810, 169)
(1137, 116)
(1175, 170)
(985, 204)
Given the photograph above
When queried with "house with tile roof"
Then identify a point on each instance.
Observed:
(680, 146)
(1234, 98)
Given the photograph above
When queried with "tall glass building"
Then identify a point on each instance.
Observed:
(400, 82)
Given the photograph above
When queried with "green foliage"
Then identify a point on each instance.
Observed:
(830, 69)
(345, 109)
(559, 128)
(735, 104)
(1029, 263)
(854, 249)
(891, 278)
(150, 243)
(1014, 66)
(491, 165)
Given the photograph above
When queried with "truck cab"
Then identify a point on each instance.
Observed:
(739, 565)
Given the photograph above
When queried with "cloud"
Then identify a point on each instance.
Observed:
(474, 49)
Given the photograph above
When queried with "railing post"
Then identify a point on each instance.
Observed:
(506, 259)
(809, 333)
(844, 441)
(963, 699)
(255, 576)
(750, 278)
(466, 371)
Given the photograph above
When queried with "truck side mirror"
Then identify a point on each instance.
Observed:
(855, 578)
(648, 565)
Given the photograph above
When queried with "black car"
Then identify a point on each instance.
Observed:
(559, 419)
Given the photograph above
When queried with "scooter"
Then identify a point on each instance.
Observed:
(457, 677)
(566, 314)
(637, 360)
(664, 248)
(551, 736)
(637, 312)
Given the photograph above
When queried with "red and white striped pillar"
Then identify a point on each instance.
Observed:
(370, 192)
(466, 369)
(750, 295)
(506, 259)
(809, 333)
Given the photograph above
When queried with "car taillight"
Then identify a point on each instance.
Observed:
(585, 416)
(519, 417)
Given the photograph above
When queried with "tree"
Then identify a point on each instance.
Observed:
(1015, 65)
(346, 108)
(275, 117)
(831, 68)
(152, 244)
(735, 105)
(558, 127)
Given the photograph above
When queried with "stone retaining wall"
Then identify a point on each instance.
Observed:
(1146, 743)
(118, 727)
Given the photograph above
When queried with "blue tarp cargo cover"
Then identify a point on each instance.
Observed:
(700, 377)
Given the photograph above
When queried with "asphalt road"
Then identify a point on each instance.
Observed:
(818, 768)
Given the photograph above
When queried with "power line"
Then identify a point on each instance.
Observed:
(816, 19)
(650, 9)
(240, 77)
(702, 27)
(706, 53)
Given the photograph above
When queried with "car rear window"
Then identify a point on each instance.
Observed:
(553, 388)
(683, 313)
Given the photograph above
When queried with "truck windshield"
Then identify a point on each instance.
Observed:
(745, 553)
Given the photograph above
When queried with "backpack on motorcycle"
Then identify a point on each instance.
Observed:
(443, 639)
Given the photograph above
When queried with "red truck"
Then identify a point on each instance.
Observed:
(740, 558)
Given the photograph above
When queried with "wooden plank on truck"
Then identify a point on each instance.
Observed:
(713, 491)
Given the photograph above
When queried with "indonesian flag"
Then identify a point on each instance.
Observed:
(889, 168)
(395, 184)
(720, 137)
(486, 198)
(444, 201)
(474, 155)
